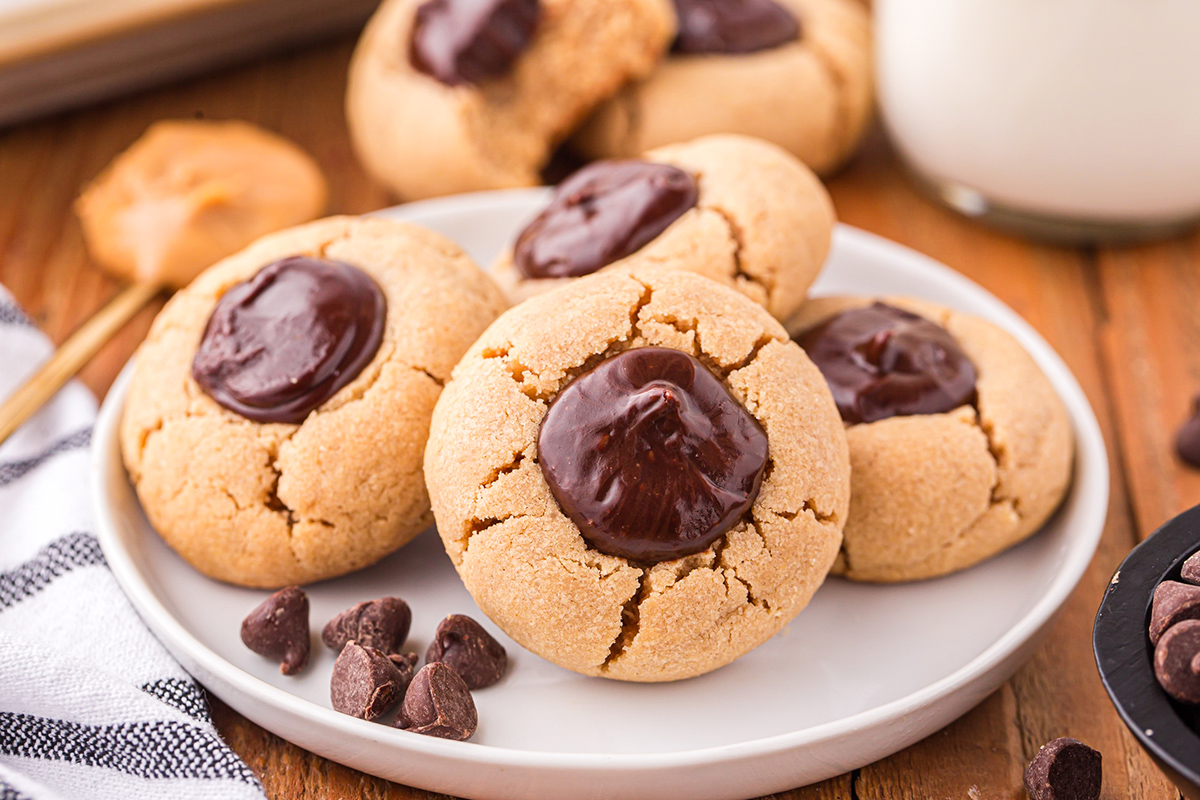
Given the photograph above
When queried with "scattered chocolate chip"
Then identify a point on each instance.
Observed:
(881, 361)
(1191, 569)
(601, 214)
(285, 341)
(366, 683)
(650, 455)
(462, 644)
(1173, 602)
(1187, 441)
(468, 41)
(278, 629)
(438, 703)
(733, 26)
(1177, 661)
(382, 624)
(1064, 769)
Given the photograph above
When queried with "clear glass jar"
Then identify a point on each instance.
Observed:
(1074, 119)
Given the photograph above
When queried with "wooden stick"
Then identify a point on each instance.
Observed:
(70, 357)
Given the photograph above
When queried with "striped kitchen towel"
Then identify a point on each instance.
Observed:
(91, 705)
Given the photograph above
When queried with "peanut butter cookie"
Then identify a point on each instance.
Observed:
(959, 445)
(277, 416)
(450, 96)
(793, 72)
(638, 476)
(735, 209)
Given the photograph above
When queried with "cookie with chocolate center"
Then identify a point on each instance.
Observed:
(449, 96)
(735, 209)
(793, 72)
(278, 411)
(959, 445)
(638, 475)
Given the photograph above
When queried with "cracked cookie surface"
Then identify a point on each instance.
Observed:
(423, 138)
(936, 493)
(812, 96)
(526, 563)
(763, 224)
(275, 504)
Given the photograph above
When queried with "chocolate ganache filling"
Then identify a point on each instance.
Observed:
(601, 214)
(651, 456)
(733, 26)
(285, 341)
(468, 41)
(881, 361)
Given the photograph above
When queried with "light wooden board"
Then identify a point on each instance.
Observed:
(57, 54)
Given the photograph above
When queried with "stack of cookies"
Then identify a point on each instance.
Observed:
(450, 96)
(643, 468)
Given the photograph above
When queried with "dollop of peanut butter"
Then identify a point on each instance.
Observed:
(188, 193)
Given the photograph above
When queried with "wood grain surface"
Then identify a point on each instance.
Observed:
(1123, 319)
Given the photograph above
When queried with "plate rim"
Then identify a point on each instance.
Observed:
(1091, 477)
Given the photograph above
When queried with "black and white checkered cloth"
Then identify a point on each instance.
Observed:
(91, 705)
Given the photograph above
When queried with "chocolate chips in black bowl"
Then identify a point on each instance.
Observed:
(1167, 728)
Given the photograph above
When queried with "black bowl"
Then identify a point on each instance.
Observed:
(1166, 729)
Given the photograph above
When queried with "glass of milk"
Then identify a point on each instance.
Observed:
(1074, 119)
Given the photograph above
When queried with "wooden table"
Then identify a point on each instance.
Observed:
(1125, 320)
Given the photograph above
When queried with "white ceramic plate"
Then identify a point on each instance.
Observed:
(861, 673)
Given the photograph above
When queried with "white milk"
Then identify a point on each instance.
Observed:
(1080, 109)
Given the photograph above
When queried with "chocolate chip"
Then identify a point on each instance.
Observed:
(438, 703)
(733, 26)
(1191, 569)
(601, 214)
(1187, 441)
(1173, 602)
(278, 628)
(366, 683)
(1064, 769)
(462, 644)
(382, 624)
(1177, 661)
(651, 456)
(881, 361)
(468, 41)
(285, 341)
